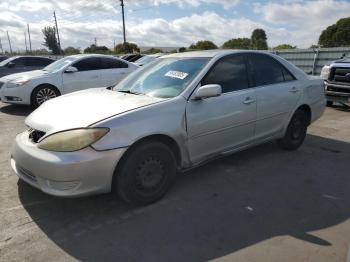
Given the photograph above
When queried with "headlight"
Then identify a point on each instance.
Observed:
(325, 72)
(72, 140)
(17, 83)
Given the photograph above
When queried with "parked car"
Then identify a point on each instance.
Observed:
(2, 58)
(19, 64)
(174, 114)
(131, 57)
(337, 81)
(147, 59)
(69, 74)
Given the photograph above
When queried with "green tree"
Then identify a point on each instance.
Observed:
(336, 35)
(93, 49)
(50, 40)
(182, 49)
(153, 51)
(126, 48)
(70, 50)
(203, 45)
(284, 46)
(259, 39)
(237, 43)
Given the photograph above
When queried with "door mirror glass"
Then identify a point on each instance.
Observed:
(207, 91)
(11, 64)
(71, 69)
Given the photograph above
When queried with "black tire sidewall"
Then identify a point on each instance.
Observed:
(126, 173)
(290, 143)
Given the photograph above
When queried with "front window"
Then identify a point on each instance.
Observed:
(4, 63)
(59, 64)
(164, 78)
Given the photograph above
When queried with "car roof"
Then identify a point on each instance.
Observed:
(212, 53)
(35, 56)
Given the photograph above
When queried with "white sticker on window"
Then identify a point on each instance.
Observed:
(176, 74)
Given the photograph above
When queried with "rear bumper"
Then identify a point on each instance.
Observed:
(65, 174)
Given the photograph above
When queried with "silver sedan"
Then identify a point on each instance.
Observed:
(173, 114)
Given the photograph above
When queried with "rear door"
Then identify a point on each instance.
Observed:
(218, 124)
(112, 71)
(277, 92)
(88, 75)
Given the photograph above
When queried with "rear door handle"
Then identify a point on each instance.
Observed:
(248, 101)
(294, 90)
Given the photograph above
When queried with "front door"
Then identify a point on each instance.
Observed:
(219, 124)
(88, 75)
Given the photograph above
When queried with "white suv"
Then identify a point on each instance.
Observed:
(69, 74)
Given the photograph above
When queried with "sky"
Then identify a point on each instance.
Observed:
(168, 22)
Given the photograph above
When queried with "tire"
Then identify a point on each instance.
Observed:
(145, 173)
(296, 131)
(329, 103)
(42, 94)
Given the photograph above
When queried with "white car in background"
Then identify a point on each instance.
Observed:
(147, 59)
(69, 74)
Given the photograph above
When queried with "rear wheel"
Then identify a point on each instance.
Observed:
(42, 94)
(329, 103)
(296, 131)
(145, 174)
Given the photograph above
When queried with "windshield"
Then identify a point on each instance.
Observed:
(146, 59)
(3, 63)
(59, 64)
(165, 77)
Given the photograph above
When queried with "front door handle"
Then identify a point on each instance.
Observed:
(248, 101)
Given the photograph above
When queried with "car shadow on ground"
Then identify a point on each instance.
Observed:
(17, 110)
(211, 211)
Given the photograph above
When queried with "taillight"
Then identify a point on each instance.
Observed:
(324, 86)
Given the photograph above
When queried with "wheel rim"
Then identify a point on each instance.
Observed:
(45, 94)
(150, 175)
(297, 128)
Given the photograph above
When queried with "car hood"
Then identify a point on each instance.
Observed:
(26, 75)
(84, 108)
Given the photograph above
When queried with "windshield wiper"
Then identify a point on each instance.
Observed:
(129, 92)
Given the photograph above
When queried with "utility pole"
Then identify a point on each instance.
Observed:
(25, 41)
(30, 41)
(8, 38)
(58, 35)
(122, 5)
(95, 41)
(2, 50)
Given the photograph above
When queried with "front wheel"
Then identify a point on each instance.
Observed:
(296, 131)
(145, 174)
(42, 94)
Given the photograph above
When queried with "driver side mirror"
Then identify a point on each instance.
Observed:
(207, 91)
(71, 69)
(11, 65)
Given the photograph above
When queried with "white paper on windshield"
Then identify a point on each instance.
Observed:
(176, 74)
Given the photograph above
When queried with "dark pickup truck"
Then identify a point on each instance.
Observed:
(337, 81)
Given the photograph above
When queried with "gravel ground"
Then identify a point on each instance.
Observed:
(262, 204)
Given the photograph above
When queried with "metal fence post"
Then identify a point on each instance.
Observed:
(314, 65)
